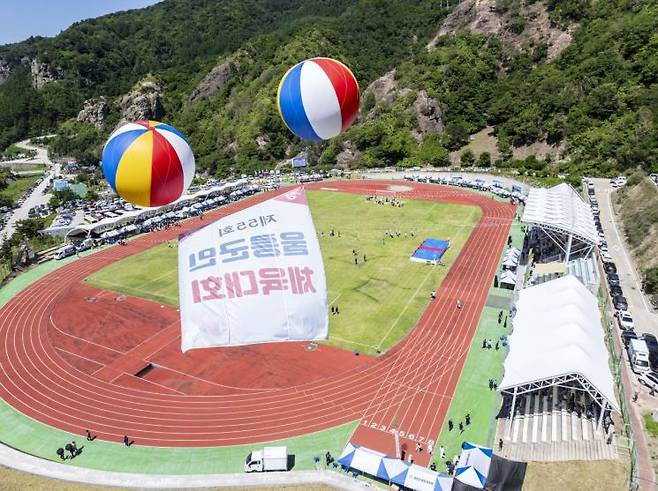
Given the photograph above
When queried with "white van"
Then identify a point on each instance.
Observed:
(65, 251)
(84, 245)
(638, 355)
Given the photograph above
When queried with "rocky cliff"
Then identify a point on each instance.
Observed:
(216, 80)
(523, 26)
(143, 102)
(43, 74)
(5, 70)
(94, 112)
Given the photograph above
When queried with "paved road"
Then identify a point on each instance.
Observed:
(646, 319)
(37, 197)
(17, 460)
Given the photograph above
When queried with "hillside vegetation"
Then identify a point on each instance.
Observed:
(637, 204)
(577, 75)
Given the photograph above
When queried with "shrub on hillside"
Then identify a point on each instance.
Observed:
(651, 280)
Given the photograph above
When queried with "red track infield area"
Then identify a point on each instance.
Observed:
(59, 365)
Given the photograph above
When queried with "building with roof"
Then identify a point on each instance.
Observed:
(561, 220)
(557, 384)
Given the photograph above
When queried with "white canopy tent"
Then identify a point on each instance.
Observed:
(512, 252)
(510, 262)
(563, 216)
(473, 465)
(507, 277)
(393, 470)
(558, 340)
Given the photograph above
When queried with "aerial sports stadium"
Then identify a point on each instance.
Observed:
(101, 344)
(284, 325)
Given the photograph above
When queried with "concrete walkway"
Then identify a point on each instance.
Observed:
(22, 462)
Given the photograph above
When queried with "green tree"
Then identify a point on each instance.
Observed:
(432, 152)
(30, 228)
(61, 197)
(651, 280)
(484, 160)
(467, 158)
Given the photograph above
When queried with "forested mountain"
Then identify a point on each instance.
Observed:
(577, 77)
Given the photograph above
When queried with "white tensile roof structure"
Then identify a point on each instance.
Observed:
(558, 339)
(561, 210)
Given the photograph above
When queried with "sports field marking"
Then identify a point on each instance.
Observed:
(78, 355)
(169, 389)
(79, 338)
(406, 306)
(159, 277)
(354, 342)
(118, 288)
(461, 227)
(334, 300)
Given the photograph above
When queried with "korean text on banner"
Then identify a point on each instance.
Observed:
(255, 276)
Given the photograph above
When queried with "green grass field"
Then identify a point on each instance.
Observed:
(472, 394)
(41, 440)
(379, 300)
(18, 187)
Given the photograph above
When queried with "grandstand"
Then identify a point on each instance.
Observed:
(558, 391)
(562, 224)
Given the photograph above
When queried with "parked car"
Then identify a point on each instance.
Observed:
(638, 355)
(625, 320)
(649, 379)
(610, 267)
(626, 336)
(616, 291)
(607, 258)
(84, 245)
(613, 279)
(620, 302)
(652, 344)
(65, 251)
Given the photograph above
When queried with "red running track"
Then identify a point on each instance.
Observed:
(410, 386)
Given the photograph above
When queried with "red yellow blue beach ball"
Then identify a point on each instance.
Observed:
(318, 98)
(148, 163)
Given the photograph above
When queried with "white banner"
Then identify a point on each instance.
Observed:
(255, 276)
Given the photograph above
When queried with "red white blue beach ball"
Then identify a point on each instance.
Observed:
(318, 98)
(148, 163)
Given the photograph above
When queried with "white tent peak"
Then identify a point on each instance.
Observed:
(561, 208)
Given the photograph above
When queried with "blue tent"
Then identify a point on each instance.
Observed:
(473, 465)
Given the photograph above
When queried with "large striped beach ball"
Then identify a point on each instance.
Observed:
(148, 163)
(318, 98)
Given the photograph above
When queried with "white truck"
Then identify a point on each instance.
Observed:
(267, 459)
(638, 355)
